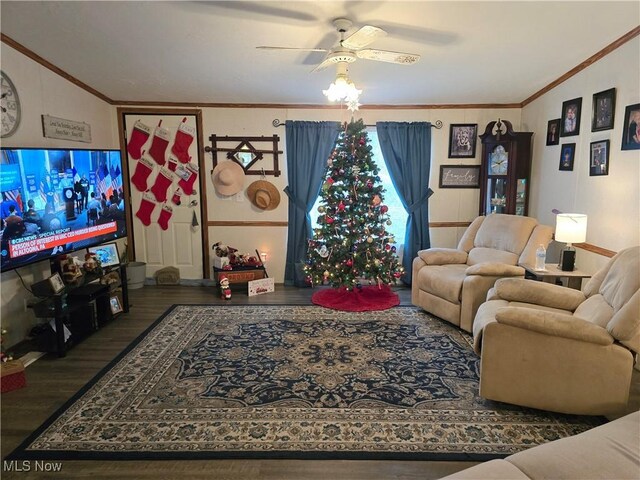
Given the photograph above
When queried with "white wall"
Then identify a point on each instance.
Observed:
(611, 202)
(43, 92)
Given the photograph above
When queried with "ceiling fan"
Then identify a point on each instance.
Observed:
(351, 48)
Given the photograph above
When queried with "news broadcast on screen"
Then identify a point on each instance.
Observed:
(56, 201)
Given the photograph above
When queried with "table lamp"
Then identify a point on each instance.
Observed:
(570, 228)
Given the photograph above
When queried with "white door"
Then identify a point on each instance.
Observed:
(180, 245)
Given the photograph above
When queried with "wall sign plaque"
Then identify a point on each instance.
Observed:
(63, 129)
(459, 176)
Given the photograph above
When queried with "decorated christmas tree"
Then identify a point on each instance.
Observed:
(351, 244)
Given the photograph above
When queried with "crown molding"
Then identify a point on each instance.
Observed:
(587, 63)
(303, 106)
(47, 64)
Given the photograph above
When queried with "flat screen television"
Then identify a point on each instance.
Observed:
(56, 201)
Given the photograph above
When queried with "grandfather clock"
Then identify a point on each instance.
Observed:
(506, 169)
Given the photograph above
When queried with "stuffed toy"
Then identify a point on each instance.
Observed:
(71, 269)
(220, 250)
(92, 263)
(235, 259)
(252, 261)
(110, 278)
(71, 273)
(225, 289)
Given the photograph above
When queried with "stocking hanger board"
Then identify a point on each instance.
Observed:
(244, 145)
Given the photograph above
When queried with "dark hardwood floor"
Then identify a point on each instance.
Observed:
(52, 381)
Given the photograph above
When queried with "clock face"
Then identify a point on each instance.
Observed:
(499, 161)
(10, 104)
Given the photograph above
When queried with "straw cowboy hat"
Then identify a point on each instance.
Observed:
(228, 178)
(263, 195)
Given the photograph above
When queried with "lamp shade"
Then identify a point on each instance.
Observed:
(571, 227)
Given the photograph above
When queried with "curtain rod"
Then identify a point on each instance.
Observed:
(437, 124)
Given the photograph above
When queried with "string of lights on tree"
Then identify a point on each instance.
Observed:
(351, 242)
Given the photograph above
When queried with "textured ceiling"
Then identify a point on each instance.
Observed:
(204, 52)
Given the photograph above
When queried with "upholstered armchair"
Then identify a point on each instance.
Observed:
(555, 348)
(452, 283)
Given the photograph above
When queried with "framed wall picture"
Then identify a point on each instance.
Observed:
(116, 307)
(567, 155)
(459, 176)
(599, 158)
(553, 132)
(570, 121)
(631, 128)
(604, 109)
(107, 253)
(56, 282)
(462, 140)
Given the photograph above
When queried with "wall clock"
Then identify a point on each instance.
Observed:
(10, 104)
(499, 161)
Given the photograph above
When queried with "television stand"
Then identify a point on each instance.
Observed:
(80, 310)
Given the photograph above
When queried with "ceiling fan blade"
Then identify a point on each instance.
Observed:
(422, 35)
(387, 56)
(325, 63)
(324, 45)
(363, 37)
(261, 8)
(266, 47)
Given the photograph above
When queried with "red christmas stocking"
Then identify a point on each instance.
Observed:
(139, 137)
(146, 208)
(159, 144)
(144, 167)
(165, 215)
(173, 163)
(162, 184)
(188, 174)
(177, 196)
(184, 137)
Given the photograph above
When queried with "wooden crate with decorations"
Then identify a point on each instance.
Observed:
(239, 275)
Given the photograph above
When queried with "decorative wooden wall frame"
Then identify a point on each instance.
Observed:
(245, 154)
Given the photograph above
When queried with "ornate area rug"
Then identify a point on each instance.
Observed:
(293, 382)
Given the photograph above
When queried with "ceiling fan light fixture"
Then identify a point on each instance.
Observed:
(342, 89)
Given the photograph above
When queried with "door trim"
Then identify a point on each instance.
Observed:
(204, 230)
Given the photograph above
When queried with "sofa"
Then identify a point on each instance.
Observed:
(610, 451)
(555, 348)
(452, 283)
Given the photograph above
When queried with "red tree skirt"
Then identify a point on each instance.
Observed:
(357, 300)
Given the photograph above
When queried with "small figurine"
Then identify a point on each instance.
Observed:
(91, 263)
(71, 270)
(225, 289)
(220, 249)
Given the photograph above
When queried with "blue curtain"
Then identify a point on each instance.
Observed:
(309, 145)
(406, 148)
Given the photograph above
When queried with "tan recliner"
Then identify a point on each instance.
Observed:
(555, 348)
(452, 283)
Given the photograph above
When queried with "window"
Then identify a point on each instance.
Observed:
(396, 212)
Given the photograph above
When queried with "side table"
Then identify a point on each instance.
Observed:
(553, 272)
